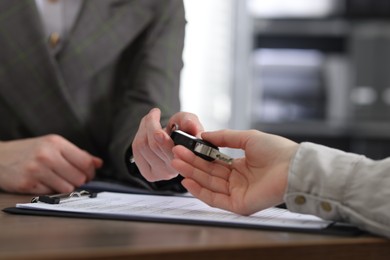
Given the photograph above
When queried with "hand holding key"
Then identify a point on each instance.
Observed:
(152, 145)
(251, 183)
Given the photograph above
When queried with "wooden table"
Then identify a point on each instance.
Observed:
(35, 237)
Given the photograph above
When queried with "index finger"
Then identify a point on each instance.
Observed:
(229, 138)
(186, 122)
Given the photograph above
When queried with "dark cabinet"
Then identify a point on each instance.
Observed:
(323, 79)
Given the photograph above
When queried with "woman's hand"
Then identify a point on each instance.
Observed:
(252, 183)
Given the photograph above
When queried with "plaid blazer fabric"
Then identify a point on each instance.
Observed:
(121, 58)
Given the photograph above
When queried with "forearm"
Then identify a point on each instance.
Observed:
(152, 71)
(340, 186)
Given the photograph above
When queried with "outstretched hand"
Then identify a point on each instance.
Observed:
(252, 183)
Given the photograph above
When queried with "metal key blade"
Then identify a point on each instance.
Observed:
(213, 153)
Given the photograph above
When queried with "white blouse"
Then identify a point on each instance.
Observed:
(340, 186)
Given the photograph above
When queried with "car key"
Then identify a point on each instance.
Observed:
(200, 147)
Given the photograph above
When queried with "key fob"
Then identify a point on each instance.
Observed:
(198, 146)
(201, 148)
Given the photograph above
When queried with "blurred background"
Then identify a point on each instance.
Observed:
(308, 70)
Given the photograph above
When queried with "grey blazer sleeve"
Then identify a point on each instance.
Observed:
(148, 76)
(340, 186)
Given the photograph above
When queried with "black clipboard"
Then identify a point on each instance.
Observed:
(334, 228)
(338, 229)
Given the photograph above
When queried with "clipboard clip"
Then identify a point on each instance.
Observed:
(55, 199)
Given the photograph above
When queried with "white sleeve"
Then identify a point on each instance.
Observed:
(340, 186)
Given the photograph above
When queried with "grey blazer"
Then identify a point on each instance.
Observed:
(121, 58)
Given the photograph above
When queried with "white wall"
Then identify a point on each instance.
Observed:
(208, 57)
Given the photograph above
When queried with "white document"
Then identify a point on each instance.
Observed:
(176, 209)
